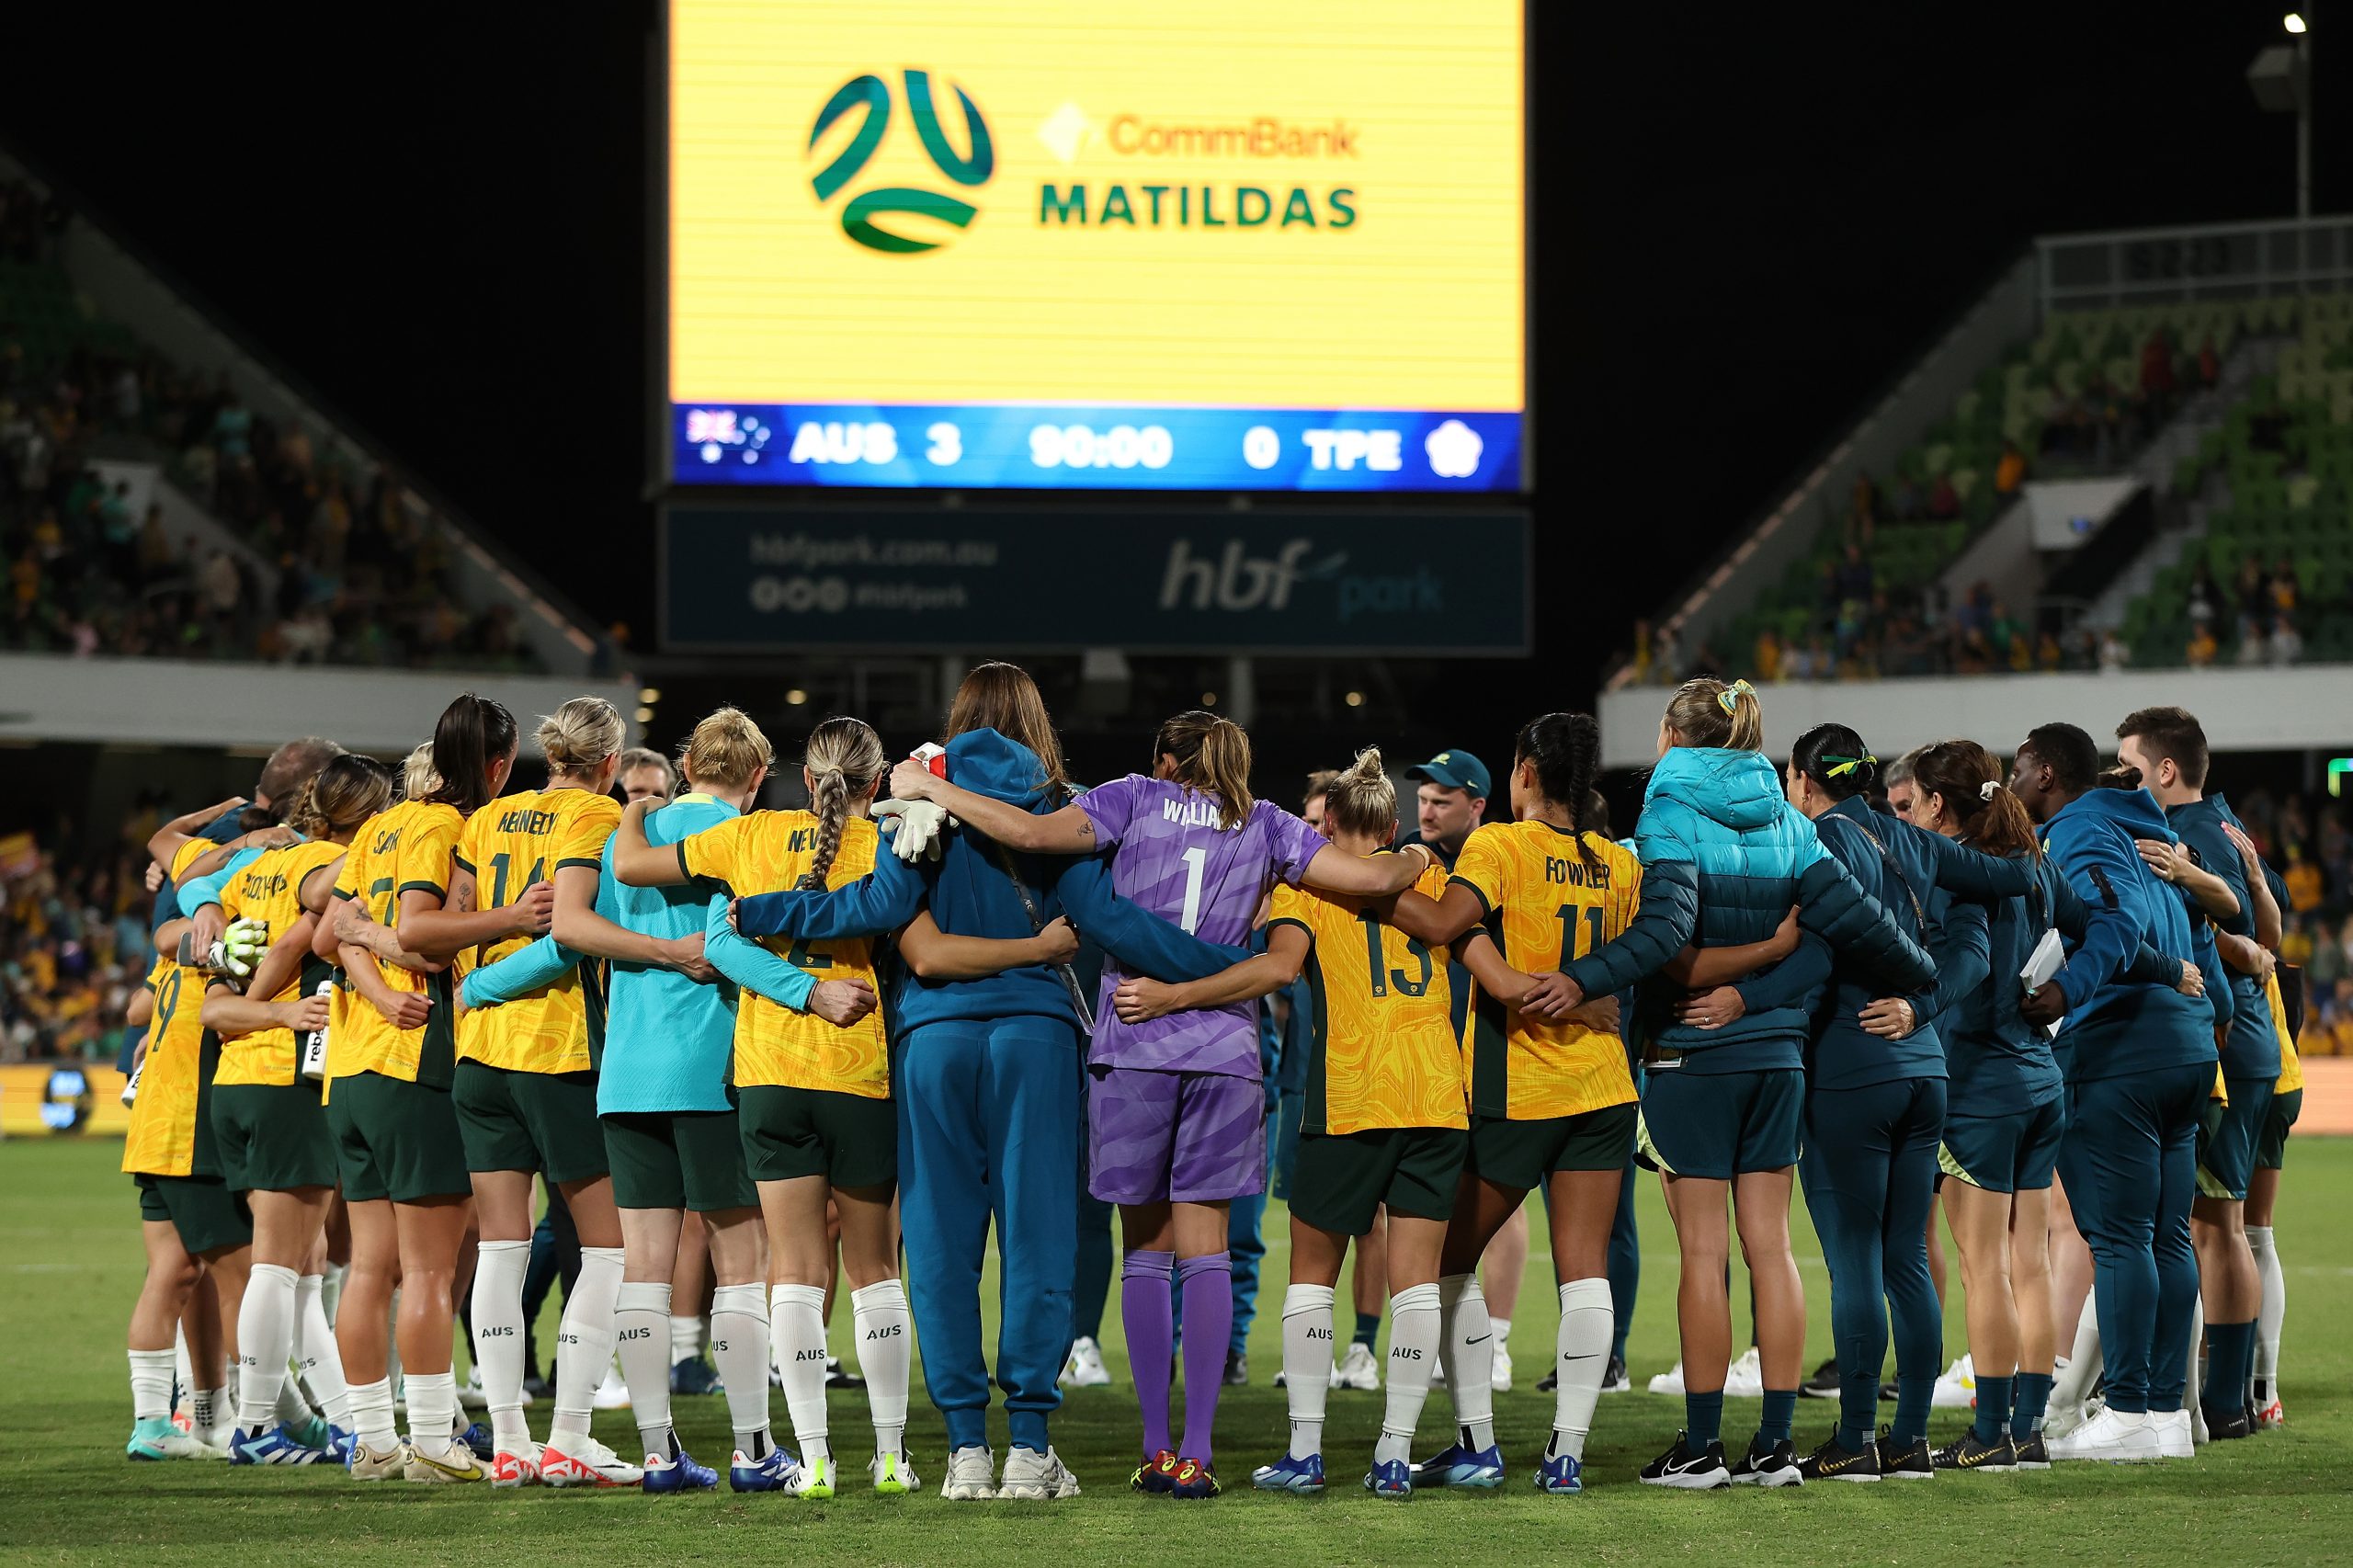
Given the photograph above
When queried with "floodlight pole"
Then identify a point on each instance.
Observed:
(2305, 118)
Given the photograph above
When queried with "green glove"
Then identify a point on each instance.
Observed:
(239, 948)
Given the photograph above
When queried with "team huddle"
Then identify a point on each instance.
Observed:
(845, 1043)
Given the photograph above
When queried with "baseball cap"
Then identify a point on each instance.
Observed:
(1454, 769)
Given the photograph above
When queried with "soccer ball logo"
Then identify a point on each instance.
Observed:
(860, 217)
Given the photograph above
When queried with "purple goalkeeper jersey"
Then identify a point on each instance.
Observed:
(1176, 861)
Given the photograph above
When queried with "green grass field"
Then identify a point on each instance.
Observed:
(70, 1268)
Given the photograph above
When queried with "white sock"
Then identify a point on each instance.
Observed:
(1502, 1340)
(206, 1409)
(1581, 1355)
(797, 1331)
(432, 1407)
(293, 1410)
(1414, 1334)
(150, 1385)
(885, 1340)
(2073, 1383)
(1467, 1344)
(499, 1267)
(686, 1336)
(2193, 1380)
(2271, 1315)
(584, 1344)
(265, 1342)
(1307, 1364)
(183, 1370)
(392, 1342)
(739, 1344)
(641, 1338)
(316, 1355)
(331, 1289)
(372, 1415)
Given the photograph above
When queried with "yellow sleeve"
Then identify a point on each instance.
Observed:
(352, 880)
(716, 851)
(189, 854)
(467, 851)
(582, 839)
(427, 848)
(1432, 884)
(1291, 905)
(1484, 866)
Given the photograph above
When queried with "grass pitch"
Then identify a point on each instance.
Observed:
(70, 1267)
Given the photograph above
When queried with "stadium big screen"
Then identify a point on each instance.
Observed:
(1219, 245)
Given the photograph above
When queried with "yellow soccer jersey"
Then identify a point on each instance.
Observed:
(2291, 1067)
(1546, 906)
(769, 852)
(270, 889)
(164, 1118)
(406, 847)
(513, 842)
(1385, 1053)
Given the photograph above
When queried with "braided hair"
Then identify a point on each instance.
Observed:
(844, 761)
(1565, 751)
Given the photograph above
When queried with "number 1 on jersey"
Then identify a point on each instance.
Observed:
(1197, 861)
(1593, 932)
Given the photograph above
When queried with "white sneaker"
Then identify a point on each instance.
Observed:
(471, 1394)
(2173, 1435)
(1437, 1375)
(1033, 1477)
(1502, 1369)
(1668, 1381)
(971, 1478)
(2114, 1437)
(613, 1393)
(1086, 1368)
(1358, 1370)
(1957, 1390)
(1744, 1378)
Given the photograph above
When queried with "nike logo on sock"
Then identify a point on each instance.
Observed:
(1481, 1340)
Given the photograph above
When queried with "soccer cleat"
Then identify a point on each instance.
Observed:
(1237, 1370)
(2174, 1441)
(1613, 1380)
(1768, 1464)
(1680, 1468)
(1669, 1381)
(159, 1439)
(589, 1464)
(1906, 1461)
(1562, 1475)
(1033, 1477)
(694, 1375)
(1744, 1378)
(1966, 1453)
(816, 1479)
(1823, 1384)
(1392, 1479)
(1835, 1462)
(366, 1464)
(477, 1436)
(315, 1432)
(680, 1473)
(272, 1444)
(1552, 1380)
(510, 1468)
(1085, 1368)
(1194, 1481)
(2033, 1453)
(1290, 1473)
(1455, 1465)
(840, 1377)
(472, 1395)
(893, 1474)
(1957, 1388)
(972, 1476)
(455, 1464)
(2271, 1416)
(1358, 1370)
(2114, 1437)
(1157, 1473)
(612, 1393)
(776, 1472)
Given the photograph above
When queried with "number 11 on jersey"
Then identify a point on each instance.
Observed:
(1592, 938)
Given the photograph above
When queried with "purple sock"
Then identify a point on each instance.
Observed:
(1208, 1284)
(1147, 1312)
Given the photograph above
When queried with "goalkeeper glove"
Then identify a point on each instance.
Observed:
(915, 827)
(239, 949)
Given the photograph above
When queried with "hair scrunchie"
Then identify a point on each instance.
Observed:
(1729, 697)
(1847, 764)
(1987, 790)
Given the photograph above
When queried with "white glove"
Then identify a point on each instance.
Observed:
(914, 826)
(239, 948)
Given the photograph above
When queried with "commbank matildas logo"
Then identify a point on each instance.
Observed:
(861, 216)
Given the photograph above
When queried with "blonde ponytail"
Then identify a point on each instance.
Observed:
(724, 751)
(418, 778)
(844, 761)
(1213, 757)
(1361, 799)
(1709, 712)
(578, 737)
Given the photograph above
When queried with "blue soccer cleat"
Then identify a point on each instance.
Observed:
(315, 1432)
(1458, 1466)
(158, 1439)
(1561, 1475)
(1391, 1478)
(780, 1471)
(679, 1473)
(1303, 1476)
(694, 1376)
(273, 1445)
(477, 1437)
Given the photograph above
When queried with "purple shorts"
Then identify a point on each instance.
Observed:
(1155, 1137)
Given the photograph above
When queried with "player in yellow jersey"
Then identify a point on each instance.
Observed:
(525, 1088)
(816, 1111)
(271, 1126)
(390, 1060)
(1551, 1098)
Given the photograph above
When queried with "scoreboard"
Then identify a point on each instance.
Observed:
(1247, 244)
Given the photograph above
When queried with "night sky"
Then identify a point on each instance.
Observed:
(1750, 220)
